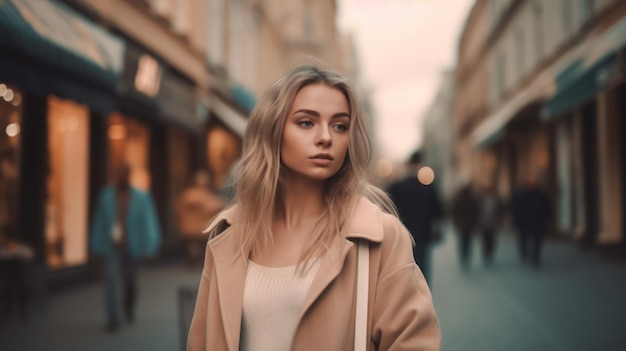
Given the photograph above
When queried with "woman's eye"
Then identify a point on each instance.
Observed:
(305, 123)
(340, 127)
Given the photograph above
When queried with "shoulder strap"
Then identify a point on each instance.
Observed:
(362, 286)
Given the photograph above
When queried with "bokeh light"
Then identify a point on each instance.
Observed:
(426, 175)
(384, 168)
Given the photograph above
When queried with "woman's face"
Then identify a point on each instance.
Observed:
(316, 136)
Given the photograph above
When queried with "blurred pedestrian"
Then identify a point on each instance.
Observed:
(465, 211)
(531, 213)
(196, 207)
(281, 268)
(492, 210)
(125, 229)
(419, 210)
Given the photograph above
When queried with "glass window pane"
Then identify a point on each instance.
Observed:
(67, 184)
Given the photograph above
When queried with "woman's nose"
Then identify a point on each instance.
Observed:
(324, 138)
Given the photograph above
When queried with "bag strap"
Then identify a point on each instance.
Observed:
(362, 287)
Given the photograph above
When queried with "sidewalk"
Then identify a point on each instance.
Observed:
(576, 301)
(75, 319)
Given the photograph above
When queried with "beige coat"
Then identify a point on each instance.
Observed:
(401, 315)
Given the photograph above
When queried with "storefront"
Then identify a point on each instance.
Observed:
(10, 159)
(586, 109)
(183, 119)
(224, 135)
(57, 71)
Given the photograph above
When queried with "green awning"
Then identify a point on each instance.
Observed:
(47, 48)
(584, 78)
(243, 98)
(578, 83)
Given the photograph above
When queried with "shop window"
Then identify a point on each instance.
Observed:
(223, 151)
(129, 142)
(67, 184)
(10, 158)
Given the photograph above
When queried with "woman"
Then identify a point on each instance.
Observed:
(280, 267)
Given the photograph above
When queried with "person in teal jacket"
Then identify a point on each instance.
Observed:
(125, 229)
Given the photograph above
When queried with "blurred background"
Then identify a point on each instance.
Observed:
(492, 92)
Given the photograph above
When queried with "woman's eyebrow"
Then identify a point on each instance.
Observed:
(317, 114)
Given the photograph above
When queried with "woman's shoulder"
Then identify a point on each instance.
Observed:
(382, 225)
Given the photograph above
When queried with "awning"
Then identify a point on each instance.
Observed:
(242, 97)
(48, 48)
(577, 84)
(585, 77)
(492, 128)
(234, 120)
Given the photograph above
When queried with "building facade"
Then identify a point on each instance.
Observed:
(554, 74)
(165, 86)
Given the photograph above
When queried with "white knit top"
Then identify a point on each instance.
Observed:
(272, 299)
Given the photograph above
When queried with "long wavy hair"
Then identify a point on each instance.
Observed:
(260, 174)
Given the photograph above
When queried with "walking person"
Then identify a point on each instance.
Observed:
(125, 229)
(419, 210)
(465, 210)
(281, 265)
(491, 214)
(197, 205)
(531, 213)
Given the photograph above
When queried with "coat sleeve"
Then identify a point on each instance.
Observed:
(99, 237)
(153, 228)
(404, 317)
(196, 340)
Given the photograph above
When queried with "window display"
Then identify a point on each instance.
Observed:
(67, 184)
(10, 157)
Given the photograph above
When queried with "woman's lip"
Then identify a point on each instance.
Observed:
(323, 157)
(321, 161)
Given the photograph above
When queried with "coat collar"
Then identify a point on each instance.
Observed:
(231, 265)
(364, 222)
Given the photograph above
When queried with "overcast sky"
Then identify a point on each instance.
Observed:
(403, 46)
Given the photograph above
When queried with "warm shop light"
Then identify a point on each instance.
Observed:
(384, 168)
(13, 130)
(17, 99)
(426, 175)
(117, 132)
(8, 95)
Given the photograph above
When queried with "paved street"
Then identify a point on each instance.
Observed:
(74, 319)
(575, 302)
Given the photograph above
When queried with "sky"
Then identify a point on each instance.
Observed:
(403, 47)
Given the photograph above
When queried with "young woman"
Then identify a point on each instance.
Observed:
(281, 264)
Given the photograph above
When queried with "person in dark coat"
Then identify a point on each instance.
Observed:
(531, 213)
(465, 211)
(419, 209)
(492, 210)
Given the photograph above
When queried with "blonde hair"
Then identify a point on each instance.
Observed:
(260, 175)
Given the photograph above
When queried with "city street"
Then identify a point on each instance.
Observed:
(574, 302)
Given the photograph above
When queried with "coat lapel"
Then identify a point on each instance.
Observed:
(231, 266)
(364, 224)
(330, 267)
(230, 273)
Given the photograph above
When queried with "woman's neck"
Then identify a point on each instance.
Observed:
(302, 202)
